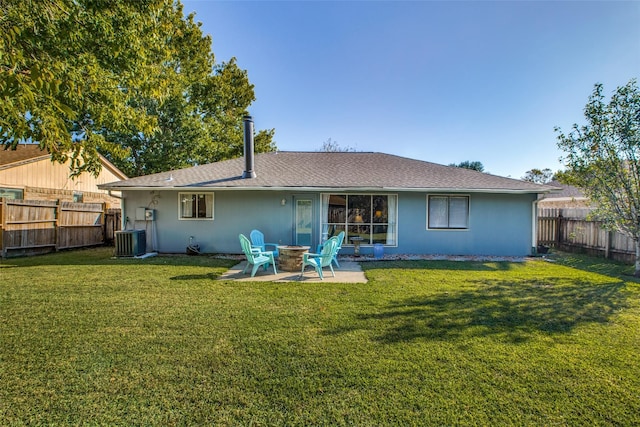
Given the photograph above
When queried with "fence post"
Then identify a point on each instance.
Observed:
(56, 226)
(559, 229)
(3, 226)
(607, 244)
(104, 223)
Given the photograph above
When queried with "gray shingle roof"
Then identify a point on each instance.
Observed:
(566, 191)
(330, 170)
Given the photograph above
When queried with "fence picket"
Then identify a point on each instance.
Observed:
(29, 227)
(572, 230)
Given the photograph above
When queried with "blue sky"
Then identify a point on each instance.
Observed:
(438, 81)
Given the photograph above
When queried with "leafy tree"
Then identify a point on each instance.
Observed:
(333, 147)
(201, 119)
(467, 164)
(539, 176)
(66, 71)
(86, 76)
(201, 122)
(562, 176)
(603, 159)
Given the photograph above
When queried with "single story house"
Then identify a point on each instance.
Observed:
(409, 206)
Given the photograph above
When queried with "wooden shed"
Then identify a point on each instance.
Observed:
(29, 173)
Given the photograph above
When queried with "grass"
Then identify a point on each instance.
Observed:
(87, 339)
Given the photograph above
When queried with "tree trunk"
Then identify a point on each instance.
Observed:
(637, 272)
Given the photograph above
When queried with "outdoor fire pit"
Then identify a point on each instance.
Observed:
(290, 258)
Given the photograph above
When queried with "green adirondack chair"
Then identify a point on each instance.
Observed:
(323, 259)
(255, 257)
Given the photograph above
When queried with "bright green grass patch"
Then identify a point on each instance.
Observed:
(87, 339)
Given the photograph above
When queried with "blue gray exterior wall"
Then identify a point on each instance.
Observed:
(235, 212)
(499, 224)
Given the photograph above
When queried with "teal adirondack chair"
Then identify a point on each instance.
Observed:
(340, 237)
(257, 241)
(323, 259)
(255, 257)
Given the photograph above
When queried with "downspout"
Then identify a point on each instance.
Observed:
(110, 193)
(534, 227)
(123, 218)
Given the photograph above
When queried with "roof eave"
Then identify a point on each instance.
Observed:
(112, 168)
(566, 199)
(24, 162)
(330, 189)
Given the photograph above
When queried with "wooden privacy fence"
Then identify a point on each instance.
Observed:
(570, 230)
(30, 227)
(112, 223)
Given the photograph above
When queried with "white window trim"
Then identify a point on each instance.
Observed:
(213, 205)
(468, 196)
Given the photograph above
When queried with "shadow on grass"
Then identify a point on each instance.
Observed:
(513, 312)
(440, 265)
(595, 265)
(104, 255)
(207, 276)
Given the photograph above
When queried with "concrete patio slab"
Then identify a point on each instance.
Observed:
(349, 272)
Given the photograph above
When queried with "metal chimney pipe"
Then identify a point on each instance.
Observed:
(248, 148)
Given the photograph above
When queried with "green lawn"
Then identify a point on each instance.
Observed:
(87, 339)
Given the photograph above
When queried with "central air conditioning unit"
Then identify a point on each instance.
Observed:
(131, 243)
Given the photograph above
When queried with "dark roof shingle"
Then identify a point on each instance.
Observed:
(22, 154)
(566, 191)
(331, 170)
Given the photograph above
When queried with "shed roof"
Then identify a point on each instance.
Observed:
(330, 171)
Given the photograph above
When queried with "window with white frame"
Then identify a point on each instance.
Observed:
(371, 217)
(195, 205)
(448, 212)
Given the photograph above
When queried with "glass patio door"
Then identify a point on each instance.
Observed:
(304, 221)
